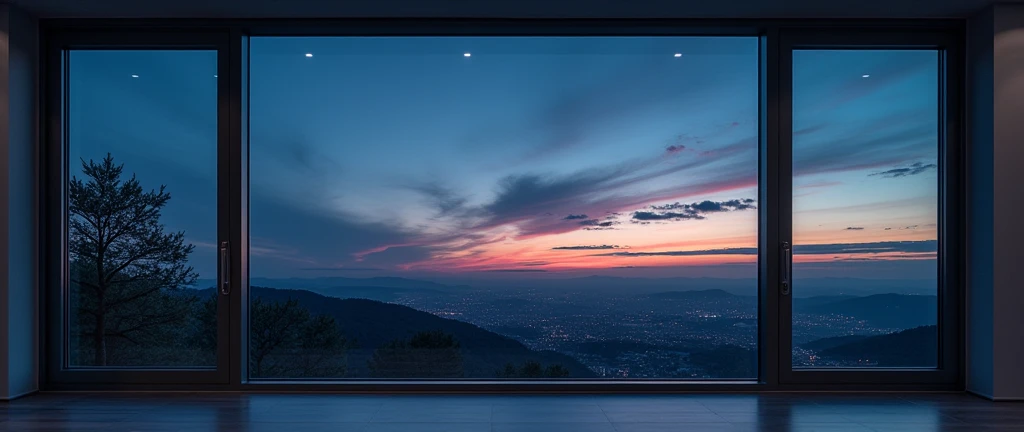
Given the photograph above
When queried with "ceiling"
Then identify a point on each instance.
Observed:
(502, 8)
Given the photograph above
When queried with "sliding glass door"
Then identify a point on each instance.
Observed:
(863, 281)
(139, 296)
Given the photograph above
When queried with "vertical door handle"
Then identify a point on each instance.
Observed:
(787, 269)
(225, 268)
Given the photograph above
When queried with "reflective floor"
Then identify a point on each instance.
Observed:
(562, 413)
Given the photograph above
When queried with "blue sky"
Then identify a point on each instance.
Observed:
(539, 156)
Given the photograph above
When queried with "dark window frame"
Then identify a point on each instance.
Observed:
(54, 201)
(231, 39)
(949, 212)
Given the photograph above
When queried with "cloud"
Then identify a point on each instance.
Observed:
(673, 149)
(910, 170)
(316, 237)
(695, 211)
(444, 199)
(515, 271)
(525, 205)
(526, 200)
(888, 141)
(597, 224)
(868, 248)
(651, 216)
(726, 251)
(923, 246)
(566, 123)
(854, 228)
(586, 247)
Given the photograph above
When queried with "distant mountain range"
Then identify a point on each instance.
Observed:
(895, 311)
(711, 294)
(372, 323)
(373, 287)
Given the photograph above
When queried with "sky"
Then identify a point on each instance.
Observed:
(530, 157)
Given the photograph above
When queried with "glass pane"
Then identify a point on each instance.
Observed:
(865, 208)
(142, 208)
(503, 208)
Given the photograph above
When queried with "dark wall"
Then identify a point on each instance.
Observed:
(19, 319)
(980, 240)
(995, 296)
(1008, 199)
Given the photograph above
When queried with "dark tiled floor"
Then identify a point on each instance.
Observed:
(563, 413)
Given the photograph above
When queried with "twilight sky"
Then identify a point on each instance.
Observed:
(533, 157)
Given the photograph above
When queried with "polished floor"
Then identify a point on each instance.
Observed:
(143, 412)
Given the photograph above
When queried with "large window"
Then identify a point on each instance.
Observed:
(865, 208)
(394, 207)
(141, 208)
(513, 207)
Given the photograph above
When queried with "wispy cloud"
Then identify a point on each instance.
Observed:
(911, 170)
(868, 248)
(726, 251)
(444, 199)
(923, 246)
(575, 216)
(889, 141)
(515, 271)
(586, 247)
(853, 228)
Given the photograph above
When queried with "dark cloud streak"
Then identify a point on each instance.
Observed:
(695, 211)
(924, 246)
(586, 247)
(911, 170)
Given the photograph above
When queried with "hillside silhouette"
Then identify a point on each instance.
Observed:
(916, 347)
(370, 324)
(832, 342)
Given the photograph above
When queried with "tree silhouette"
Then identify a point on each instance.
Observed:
(432, 354)
(533, 369)
(126, 272)
(287, 341)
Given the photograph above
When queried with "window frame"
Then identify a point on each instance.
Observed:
(231, 39)
(949, 212)
(54, 212)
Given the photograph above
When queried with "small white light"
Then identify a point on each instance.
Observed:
(134, 76)
(467, 55)
(678, 55)
(215, 76)
(865, 76)
(309, 54)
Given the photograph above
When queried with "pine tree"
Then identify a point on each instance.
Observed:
(287, 341)
(127, 274)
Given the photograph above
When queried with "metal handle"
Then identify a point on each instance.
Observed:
(787, 268)
(225, 273)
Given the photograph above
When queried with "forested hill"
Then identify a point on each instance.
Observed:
(371, 324)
